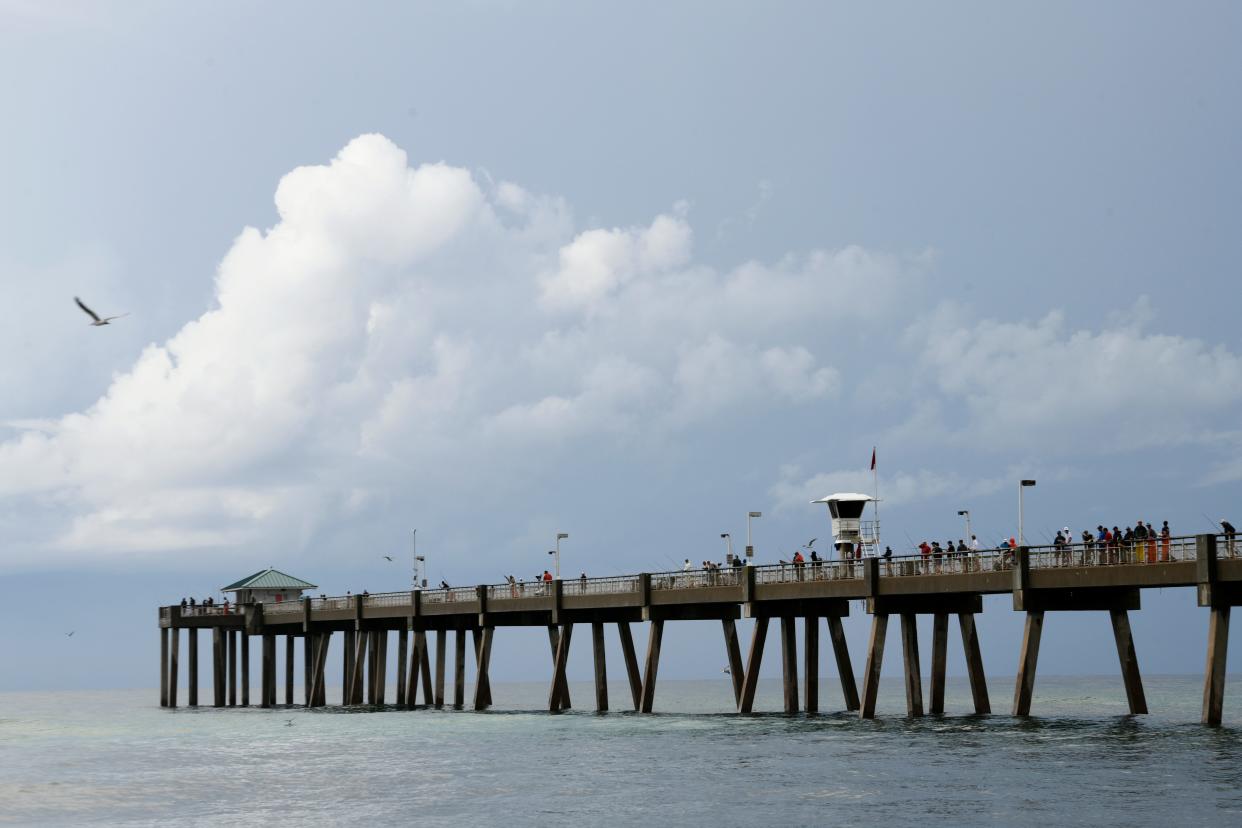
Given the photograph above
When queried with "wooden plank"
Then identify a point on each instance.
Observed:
(482, 687)
(974, 664)
(910, 659)
(940, 651)
(459, 672)
(789, 663)
(845, 667)
(601, 667)
(441, 646)
(753, 661)
(1024, 687)
(656, 633)
(734, 653)
(555, 695)
(1129, 661)
(403, 643)
(1213, 674)
(875, 658)
(810, 641)
(173, 678)
(563, 702)
(631, 663)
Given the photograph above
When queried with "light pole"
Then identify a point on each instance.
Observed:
(750, 549)
(1022, 484)
(414, 552)
(560, 536)
(969, 536)
(728, 539)
(420, 572)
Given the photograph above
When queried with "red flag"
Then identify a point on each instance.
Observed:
(873, 458)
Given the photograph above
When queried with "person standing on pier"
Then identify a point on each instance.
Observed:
(1230, 532)
(1164, 541)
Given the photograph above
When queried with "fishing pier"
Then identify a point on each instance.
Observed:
(1041, 580)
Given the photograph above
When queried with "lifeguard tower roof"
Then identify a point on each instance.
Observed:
(844, 496)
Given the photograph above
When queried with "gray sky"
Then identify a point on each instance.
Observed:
(501, 270)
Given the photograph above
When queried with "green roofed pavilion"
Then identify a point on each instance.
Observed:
(268, 586)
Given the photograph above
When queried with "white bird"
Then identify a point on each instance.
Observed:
(811, 542)
(727, 671)
(95, 316)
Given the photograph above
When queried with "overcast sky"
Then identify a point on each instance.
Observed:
(499, 270)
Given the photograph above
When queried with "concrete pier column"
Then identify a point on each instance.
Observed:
(232, 647)
(753, 660)
(733, 651)
(845, 668)
(1213, 674)
(441, 645)
(974, 663)
(192, 688)
(424, 665)
(483, 685)
(1027, 659)
(357, 692)
(1129, 661)
(289, 657)
(245, 668)
(601, 667)
(163, 667)
(654, 637)
(381, 665)
(403, 644)
(789, 663)
(347, 668)
(940, 652)
(373, 655)
(173, 678)
(556, 694)
(631, 663)
(562, 689)
(810, 640)
(875, 658)
(910, 659)
(268, 671)
(217, 667)
(459, 671)
(310, 651)
(483, 656)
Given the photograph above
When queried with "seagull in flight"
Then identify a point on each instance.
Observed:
(388, 558)
(811, 542)
(70, 634)
(727, 671)
(95, 316)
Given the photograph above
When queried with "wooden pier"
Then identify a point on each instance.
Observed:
(1041, 580)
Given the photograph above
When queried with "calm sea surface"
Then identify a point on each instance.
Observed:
(117, 758)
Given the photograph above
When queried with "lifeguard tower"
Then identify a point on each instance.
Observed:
(853, 537)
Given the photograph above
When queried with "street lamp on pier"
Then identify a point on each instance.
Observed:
(1022, 485)
(750, 549)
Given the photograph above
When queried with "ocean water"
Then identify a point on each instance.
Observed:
(116, 757)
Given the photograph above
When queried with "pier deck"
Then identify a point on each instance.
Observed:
(1041, 579)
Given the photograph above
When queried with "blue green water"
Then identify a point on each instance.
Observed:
(116, 757)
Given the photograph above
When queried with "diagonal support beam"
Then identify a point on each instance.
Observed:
(845, 668)
(656, 633)
(753, 660)
(737, 672)
(559, 662)
(482, 687)
(562, 701)
(1129, 661)
(631, 663)
(1024, 687)
(875, 658)
(974, 663)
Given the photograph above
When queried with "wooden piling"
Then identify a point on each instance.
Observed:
(631, 663)
(910, 659)
(441, 644)
(232, 643)
(656, 633)
(753, 660)
(940, 651)
(875, 658)
(459, 671)
(810, 641)
(1027, 659)
(601, 667)
(163, 667)
(1213, 674)
(974, 663)
(734, 653)
(563, 702)
(172, 667)
(556, 696)
(289, 658)
(403, 643)
(789, 663)
(192, 655)
(245, 668)
(1135, 697)
(845, 668)
(482, 685)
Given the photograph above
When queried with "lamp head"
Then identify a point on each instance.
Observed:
(963, 512)
(754, 514)
(561, 535)
(1028, 482)
(724, 534)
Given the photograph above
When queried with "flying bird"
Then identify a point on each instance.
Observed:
(811, 542)
(70, 634)
(727, 671)
(95, 316)
(388, 558)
